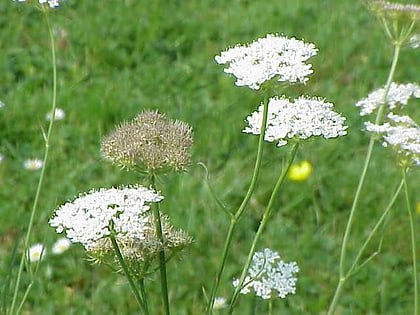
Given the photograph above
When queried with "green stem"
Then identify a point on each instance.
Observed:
(375, 228)
(47, 139)
(413, 241)
(162, 259)
(267, 213)
(237, 215)
(127, 273)
(379, 117)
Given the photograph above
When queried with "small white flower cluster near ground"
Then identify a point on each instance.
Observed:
(59, 115)
(2, 104)
(38, 251)
(219, 303)
(270, 276)
(301, 119)
(266, 58)
(51, 3)
(33, 164)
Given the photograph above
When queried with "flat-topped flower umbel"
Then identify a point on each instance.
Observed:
(266, 58)
(402, 134)
(123, 213)
(299, 119)
(397, 97)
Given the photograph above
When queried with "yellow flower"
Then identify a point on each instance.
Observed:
(418, 207)
(299, 172)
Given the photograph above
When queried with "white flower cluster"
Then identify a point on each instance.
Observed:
(88, 218)
(301, 119)
(398, 95)
(402, 134)
(269, 273)
(267, 57)
(51, 3)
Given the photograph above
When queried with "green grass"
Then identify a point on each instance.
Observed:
(120, 57)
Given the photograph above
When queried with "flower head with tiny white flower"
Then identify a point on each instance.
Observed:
(402, 134)
(397, 97)
(266, 58)
(87, 219)
(122, 212)
(300, 119)
(270, 276)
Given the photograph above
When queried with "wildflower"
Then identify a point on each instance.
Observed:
(33, 164)
(59, 115)
(397, 96)
(272, 56)
(123, 213)
(36, 252)
(402, 134)
(301, 119)
(51, 3)
(2, 104)
(1, 157)
(61, 245)
(269, 275)
(300, 172)
(219, 303)
(151, 142)
(395, 11)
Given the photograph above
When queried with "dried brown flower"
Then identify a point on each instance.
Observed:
(150, 143)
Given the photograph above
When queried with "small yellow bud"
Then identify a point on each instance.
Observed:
(300, 172)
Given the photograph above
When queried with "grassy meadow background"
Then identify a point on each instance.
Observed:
(117, 58)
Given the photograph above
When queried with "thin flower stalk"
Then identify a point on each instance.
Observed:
(413, 243)
(162, 259)
(47, 139)
(379, 117)
(140, 300)
(234, 217)
(267, 214)
(354, 267)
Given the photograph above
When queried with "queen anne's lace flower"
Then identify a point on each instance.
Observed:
(266, 58)
(89, 217)
(301, 119)
(269, 273)
(398, 95)
(402, 134)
